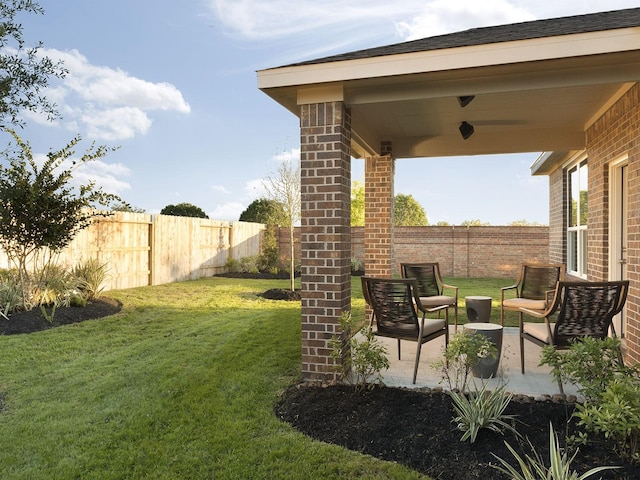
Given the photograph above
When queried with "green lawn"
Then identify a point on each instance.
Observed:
(180, 385)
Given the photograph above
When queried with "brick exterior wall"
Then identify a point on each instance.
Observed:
(378, 255)
(461, 251)
(615, 134)
(325, 234)
(557, 217)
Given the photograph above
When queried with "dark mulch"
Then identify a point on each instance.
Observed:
(414, 428)
(33, 320)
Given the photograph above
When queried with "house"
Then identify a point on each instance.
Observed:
(566, 86)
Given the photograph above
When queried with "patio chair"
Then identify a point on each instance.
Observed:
(580, 309)
(394, 305)
(431, 289)
(534, 283)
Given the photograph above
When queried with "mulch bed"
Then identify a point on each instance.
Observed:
(414, 428)
(33, 320)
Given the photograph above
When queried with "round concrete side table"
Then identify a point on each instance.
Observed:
(478, 308)
(488, 366)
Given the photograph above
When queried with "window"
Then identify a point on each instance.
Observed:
(577, 221)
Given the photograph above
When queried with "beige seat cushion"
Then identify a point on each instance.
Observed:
(516, 303)
(437, 300)
(539, 331)
(431, 326)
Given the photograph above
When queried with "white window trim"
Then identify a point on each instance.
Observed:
(581, 231)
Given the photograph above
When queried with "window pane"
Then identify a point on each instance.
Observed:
(572, 251)
(583, 252)
(574, 197)
(584, 182)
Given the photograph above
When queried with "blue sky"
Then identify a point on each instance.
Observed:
(174, 85)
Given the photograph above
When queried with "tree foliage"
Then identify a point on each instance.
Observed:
(24, 72)
(283, 186)
(125, 207)
(357, 204)
(264, 210)
(475, 223)
(40, 211)
(407, 212)
(184, 210)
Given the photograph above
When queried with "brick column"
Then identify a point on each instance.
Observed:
(379, 173)
(325, 156)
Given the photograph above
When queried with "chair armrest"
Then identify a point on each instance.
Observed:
(444, 285)
(434, 309)
(504, 289)
(534, 313)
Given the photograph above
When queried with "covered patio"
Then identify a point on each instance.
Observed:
(561, 85)
(536, 382)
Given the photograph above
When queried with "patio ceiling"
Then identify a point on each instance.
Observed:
(531, 95)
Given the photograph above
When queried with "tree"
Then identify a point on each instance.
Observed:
(183, 210)
(24, 73)
(407, 212)
(357, 204)
(264, 210)
(524, 223)
(284, 187)
(271, 213)
(475, 223)
(40, 212)
(125, 207)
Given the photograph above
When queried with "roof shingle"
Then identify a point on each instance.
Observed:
(592, 22)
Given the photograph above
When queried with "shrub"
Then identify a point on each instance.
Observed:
(464, 352)
(53, 286)
(90, 276)
(10, 293)
(249, 264)
(590, 363)
(232, 265)
(611, 390)
(481, 409)
(358, 360)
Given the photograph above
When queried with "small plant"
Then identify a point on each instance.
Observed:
(481, 409)
(616, 416)
(90, 275)
(534, 468)
(10, 293)
(462, 354)
(358, 360)
(590, 363)
(611, 391)
(232, 265)
(53, 286)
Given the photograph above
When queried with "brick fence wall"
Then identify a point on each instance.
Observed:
(461, 251)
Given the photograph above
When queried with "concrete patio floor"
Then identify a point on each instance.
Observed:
(535, 382)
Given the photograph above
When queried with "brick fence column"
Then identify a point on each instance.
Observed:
(379, 173)
(325, 240)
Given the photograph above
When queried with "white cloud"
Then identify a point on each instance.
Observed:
(108, 103)
(444, 16)
(105, 175)
(254, 189)
(221, 189)
(258, 19)
(227, 211)
(115, 123)
(288, 156)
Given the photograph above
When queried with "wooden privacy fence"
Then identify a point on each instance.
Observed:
(141, 249)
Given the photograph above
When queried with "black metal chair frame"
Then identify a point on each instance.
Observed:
(534, 282)
(395, 309)
(580, 309)
(430, 284)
